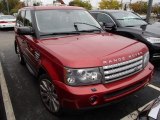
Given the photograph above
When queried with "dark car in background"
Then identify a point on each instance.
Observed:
(130, 25)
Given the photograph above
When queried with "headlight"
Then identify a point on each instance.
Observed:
(153, 40)
(77, 77)
(145, 59)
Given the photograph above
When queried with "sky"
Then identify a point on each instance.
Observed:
(93, 2)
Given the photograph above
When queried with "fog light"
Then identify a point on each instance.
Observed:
(93, 100)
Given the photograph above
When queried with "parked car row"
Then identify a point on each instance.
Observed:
(77, 63)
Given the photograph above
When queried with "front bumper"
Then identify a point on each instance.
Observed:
(96, 95)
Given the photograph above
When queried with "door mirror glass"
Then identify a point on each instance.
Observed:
(24, 31)
(109, 26)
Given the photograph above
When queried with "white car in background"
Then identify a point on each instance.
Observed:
(7, 21)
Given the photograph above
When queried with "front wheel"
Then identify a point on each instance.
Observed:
(49, 95)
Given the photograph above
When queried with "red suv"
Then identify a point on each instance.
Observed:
(78, 65)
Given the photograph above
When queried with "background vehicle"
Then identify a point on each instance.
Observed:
(77, 63)
(130, 25)
(7, 21)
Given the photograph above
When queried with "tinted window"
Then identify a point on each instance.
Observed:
(94, 15)
(20, 18)
(104, 18)
(28, 20)
(128, 19)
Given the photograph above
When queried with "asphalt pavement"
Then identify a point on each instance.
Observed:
(24, 91)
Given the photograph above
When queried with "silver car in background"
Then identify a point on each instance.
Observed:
(7, 21)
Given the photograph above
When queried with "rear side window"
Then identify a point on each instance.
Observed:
(20, 19)
(28, 19)
(104, 18)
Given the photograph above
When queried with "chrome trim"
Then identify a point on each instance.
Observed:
(122, 70)
(123, 77)
(122, 73)
(122, 63)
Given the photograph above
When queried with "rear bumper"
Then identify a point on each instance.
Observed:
(11, 25)
(85, 97)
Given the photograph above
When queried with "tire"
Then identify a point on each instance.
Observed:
(49, 95)
(20, 56)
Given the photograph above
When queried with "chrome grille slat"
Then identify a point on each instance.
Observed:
(122, 63)
(124, 69)
(126, 72)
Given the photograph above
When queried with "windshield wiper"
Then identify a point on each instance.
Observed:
(60, 33)
(98, 28)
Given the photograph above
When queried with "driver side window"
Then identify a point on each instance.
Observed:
(104, 18)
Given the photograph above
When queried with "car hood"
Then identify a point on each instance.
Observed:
(150, 30)
(90, 50)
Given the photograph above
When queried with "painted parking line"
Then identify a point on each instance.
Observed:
(133, 115)
(6, 98)
(154, 87)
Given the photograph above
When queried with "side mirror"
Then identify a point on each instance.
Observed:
(109, 26)
(24, 31)
(101, 24)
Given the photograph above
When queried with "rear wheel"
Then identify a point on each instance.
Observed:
(20, 56)
(49, 95)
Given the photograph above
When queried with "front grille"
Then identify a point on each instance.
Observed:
(122, 70)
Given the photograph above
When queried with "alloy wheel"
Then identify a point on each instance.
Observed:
(49, 95)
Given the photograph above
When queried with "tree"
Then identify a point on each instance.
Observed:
(109, 4)
(1, 6)
(14, 6)
(156, 9)
(86, 4)
(139, 7)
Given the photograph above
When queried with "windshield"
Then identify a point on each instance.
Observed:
(7, 17)
(128, 19)
(65, 21)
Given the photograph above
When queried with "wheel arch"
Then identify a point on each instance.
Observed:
(53, 70)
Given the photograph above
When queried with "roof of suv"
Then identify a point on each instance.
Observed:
(53, 8)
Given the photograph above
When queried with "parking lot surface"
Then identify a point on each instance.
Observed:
(24, 91)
